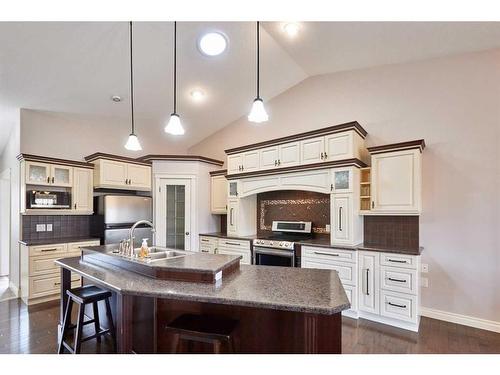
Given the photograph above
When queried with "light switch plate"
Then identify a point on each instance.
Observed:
(424, 282)
(40, 227)
(424, 268)
(49, 227)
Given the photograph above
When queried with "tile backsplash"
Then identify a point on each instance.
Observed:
(294, 206)
(62, 226)
(392, 231)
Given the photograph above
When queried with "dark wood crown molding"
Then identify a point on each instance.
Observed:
(103, 155)
(329, 164)
(220, 172)
(419, 143)
(353, 125)
(199, 158)
(46, 159)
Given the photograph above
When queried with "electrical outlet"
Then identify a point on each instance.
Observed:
(424, 282)
(424, 268)
(49, 227)
(328, 228)
(40, 227)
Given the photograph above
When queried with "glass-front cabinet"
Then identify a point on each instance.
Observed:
(48, 174)
(61, 175)
(342, 180)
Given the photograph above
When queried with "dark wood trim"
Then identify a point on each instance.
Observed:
(420, 144)
(329, 164)
(46, 159)
(220, 172)
(102, 155)
(353, 125)
(199, 158)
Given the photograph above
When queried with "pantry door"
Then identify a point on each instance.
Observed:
(173, 213)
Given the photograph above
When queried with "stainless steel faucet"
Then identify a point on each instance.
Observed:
(131, 234)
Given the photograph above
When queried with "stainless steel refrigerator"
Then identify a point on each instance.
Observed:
(115, 214)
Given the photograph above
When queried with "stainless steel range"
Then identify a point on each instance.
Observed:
(278, 249)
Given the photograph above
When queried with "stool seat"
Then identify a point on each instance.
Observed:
(88, 294)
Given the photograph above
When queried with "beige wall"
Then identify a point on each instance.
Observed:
(71, 136)
(454, 103)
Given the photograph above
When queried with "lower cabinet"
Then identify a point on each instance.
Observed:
(232, 216)
(214, 245)
(382, 287)
(40, 277)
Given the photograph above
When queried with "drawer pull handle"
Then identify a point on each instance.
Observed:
(204, 240)
(397, 280)
(56, 284)
(396, 261)
(45, 250)
(233, 243)
(396, 305)
(322, 253)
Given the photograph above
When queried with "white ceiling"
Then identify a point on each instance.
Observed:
(77, 67)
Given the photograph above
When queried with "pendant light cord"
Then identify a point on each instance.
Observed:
(131, 82)
(175, 67)
(258, 60)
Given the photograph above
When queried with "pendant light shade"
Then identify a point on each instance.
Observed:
(133, 143)
(258, 113)
(174, 125)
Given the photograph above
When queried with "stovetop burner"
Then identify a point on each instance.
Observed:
(284, 234)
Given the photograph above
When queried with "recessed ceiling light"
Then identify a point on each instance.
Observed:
(291, 28)
(212, 44)
(116, 98)
(197, 95)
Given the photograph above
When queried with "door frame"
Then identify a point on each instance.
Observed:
(157, 182)
(5, 177)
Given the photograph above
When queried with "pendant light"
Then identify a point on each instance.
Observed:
(174, 125)
(258, 113)
(132, 142)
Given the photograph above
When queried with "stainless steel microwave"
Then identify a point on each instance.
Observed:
(37, 199)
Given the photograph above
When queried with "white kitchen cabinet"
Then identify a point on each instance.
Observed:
(82, 190)
(61, 175)
(232, 217)
(251, 161)
(112, 173)
(342, 218)
(229, 246)
(234, 163)
(339, 146)
(115, 174)
(342, 180)
(38, 173)
(139, 176)
(218, 194)
(368, 281)
(289, 154)
(396, 182)
(269, 157)
(208, 244)
(312, 150)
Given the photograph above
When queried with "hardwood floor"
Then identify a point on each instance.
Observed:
(35, 331)
(5, 292)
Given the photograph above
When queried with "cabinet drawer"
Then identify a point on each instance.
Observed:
(228, 251)
(75, 246)
(237, 244)
(337, 255)
(208, 240)
(206, 248)
(40, 286)
(398, 260)
(398, 279)
(347, 271)
(398, 306)
(47, 249)
(43, 264)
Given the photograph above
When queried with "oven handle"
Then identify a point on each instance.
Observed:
(286, 253)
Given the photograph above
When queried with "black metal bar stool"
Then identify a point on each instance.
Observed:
(85, 295)
(203, 328)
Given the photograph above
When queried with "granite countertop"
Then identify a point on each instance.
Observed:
(277, 288)
(385, 249)
(49, 241)
(193, 262)
(225, 235)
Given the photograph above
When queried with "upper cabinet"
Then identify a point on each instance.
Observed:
(396, 179)
(82, 190)
(336, 143)
(46, 174)
(218, 192)
(120, 173)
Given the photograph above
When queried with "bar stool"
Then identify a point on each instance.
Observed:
(85, 295)
(203, 328)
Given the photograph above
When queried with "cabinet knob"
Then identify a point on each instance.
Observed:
(53, 180)
(187, 233)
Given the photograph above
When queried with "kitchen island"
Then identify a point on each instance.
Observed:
(279, 310)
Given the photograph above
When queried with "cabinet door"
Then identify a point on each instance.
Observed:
(339, 146)
(251, 161)
(269, 157)
(61, 175)
(232, 217)
(37, 173)
(218, 195)
(113, 173)
(312, 150)
(396, 181)
(139, 176)
(342, 180)
(82, 189)
(289, 155)
(234, 163)
(369, 282)
(341, 207)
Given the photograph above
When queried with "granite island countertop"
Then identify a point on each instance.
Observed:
(278, 288)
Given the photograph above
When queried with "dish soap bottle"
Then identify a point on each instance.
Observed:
(144, 248)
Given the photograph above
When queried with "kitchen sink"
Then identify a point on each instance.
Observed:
(161, 253)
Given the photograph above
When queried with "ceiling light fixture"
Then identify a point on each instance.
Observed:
(291, 28)
(212, 44)
(133, 143)
(197, 95)
(174, 125)
(258, 113)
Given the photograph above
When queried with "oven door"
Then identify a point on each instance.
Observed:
(273, 257)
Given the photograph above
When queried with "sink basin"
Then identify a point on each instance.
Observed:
(161, 253)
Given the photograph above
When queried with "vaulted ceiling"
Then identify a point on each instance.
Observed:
(75, 67)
